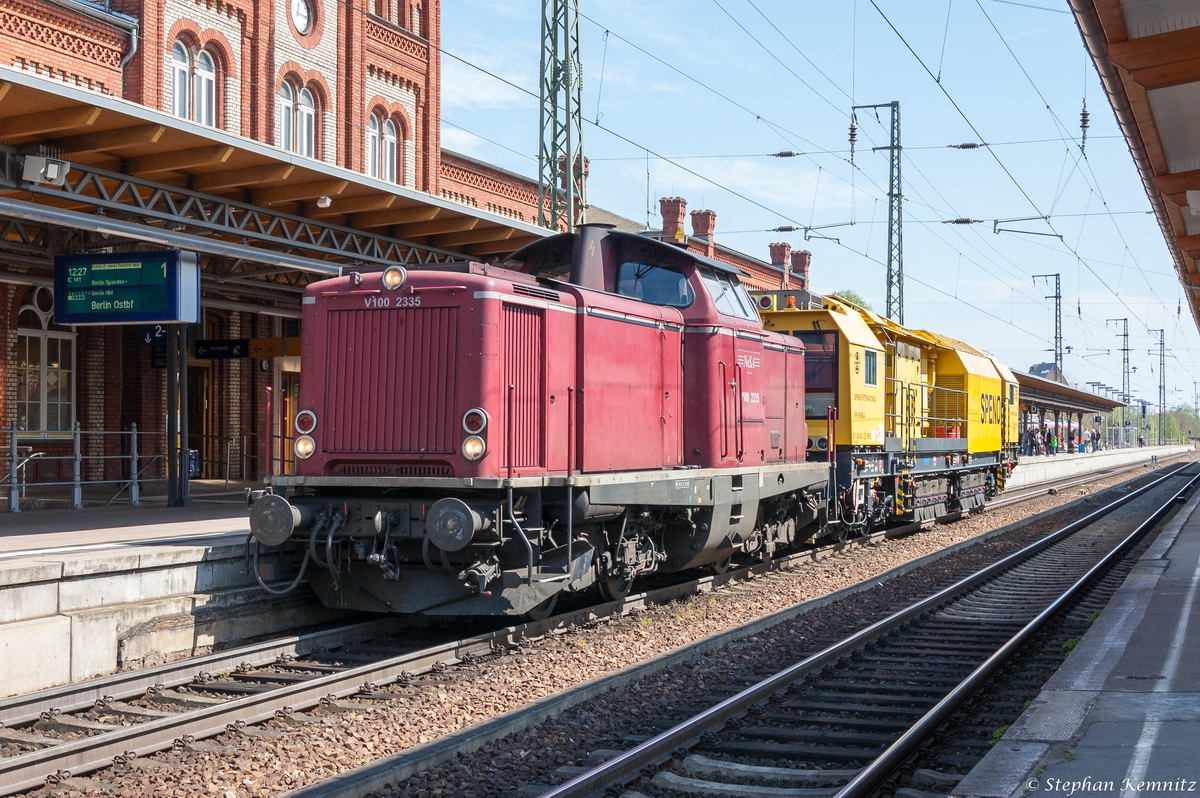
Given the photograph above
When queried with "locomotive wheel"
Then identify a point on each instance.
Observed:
(614, 588)
(542, 611)
(720, 566)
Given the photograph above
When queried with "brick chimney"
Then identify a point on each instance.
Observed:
(704, 224)
(800, 263)
(779, 259)
(672, 210)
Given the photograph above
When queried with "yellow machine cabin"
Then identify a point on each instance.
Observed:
(925, 425)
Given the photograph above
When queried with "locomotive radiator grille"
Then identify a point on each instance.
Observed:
(391, 381)
(524, 330)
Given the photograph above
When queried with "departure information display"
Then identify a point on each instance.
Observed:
(127, 288)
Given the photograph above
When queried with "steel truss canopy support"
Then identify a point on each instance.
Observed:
(562, 169)
(895, 261)
(80, 171)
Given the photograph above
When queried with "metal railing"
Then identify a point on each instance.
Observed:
(86, 468)
(218, 464)
(916, 410)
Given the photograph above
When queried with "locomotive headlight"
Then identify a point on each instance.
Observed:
(474, 448)
(475, 420)
(394, 277)
(304, 447)
(306, 422)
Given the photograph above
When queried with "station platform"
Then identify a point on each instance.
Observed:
(1035, 469)
(103, 589)
(218, 509)
(1121, 716)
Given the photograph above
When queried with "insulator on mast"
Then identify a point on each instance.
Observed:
(853, 136)
(1083, 127)
(1078, 307)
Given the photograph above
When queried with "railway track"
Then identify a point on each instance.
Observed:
(79, 728)
(856, 712)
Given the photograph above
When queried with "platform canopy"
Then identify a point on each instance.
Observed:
(1048, 394)
(259, 216)
(1148, 55)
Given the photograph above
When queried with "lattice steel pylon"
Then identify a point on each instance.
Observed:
(1058, 338)
(895, 261)
(561, 166)
(1124, 374)
(1162, 381)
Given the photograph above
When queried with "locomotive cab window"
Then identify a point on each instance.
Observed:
(820, 371)
(728, 295)
(870, 367)
(1012, 395)
(655, 283)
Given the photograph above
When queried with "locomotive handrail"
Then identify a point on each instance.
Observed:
(512, 517)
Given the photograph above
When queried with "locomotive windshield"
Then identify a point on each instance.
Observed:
(820, 371)
(656, 283)
(729, 296)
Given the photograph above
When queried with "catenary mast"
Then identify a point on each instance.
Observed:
(561, 165)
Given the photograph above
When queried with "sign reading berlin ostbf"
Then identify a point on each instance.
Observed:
(127, 288)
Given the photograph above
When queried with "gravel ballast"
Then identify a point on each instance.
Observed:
(287, 753)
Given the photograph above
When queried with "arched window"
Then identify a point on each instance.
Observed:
(206, 89)
(388, 156)
(286, 114)
(382, 148)
(194, 84)
(373, 146)
(306, 124)
(45, 367)
(181, 79)
(296, 109)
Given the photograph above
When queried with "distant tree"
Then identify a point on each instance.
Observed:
(850, 295)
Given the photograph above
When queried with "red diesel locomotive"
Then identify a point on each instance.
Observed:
(476, 439)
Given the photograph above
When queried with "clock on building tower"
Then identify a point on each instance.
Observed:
(302, 15)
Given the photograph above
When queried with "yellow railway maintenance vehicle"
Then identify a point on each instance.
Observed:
(917, 425)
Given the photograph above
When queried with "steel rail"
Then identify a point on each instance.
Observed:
(629, 764)
(873, 776)
(20, 709)
(92, 753)
(28, 770)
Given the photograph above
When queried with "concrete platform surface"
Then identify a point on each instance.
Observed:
(1121, 717)
(34, 533)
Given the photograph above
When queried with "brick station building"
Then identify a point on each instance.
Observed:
(281, 140)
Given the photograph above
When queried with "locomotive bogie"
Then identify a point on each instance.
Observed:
(472, 551)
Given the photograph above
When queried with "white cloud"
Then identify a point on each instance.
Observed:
(788, 189)
(462, 141)
(466, 87)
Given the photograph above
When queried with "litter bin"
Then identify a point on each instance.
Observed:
(193, 463)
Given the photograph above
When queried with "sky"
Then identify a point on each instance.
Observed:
(690, 97)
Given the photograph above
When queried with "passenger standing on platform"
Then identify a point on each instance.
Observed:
(1053, 443)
